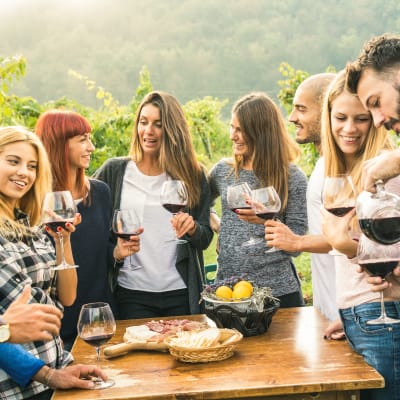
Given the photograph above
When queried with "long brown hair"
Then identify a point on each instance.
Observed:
(177, 156)
(377, 139)
(55, 128)
(269, 143)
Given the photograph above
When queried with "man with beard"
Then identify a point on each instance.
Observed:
(306, 116)
(375, 78)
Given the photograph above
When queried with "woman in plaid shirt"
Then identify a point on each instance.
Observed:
(26, 253)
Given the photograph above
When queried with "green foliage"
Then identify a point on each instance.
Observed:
(208, 131)
(289, 85)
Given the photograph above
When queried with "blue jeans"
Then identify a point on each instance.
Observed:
(378, 344)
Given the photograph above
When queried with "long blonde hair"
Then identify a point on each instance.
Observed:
(177, 155)
(378, 139)
(269, 143)
(31, 202)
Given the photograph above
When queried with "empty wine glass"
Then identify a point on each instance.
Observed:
(174, 198)
(338, 197)
(125, 224)
(59, 208)
(378, 260)
(238, 197)
(96, 326)
(266, 204)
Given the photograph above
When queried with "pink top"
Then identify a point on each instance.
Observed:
(352, 288)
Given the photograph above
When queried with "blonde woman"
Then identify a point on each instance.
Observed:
(350, 138)
(26, 255)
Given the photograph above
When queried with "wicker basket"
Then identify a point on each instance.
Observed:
(202, 355)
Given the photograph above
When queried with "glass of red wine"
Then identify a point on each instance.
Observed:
(125, 224)
(58, 208)
(266, 204)
(174, 198)
(378, 260)
(238, 197)
(379, 215)
(338, 197)
(96, 326)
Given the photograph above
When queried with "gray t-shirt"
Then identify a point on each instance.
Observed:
(275, 270)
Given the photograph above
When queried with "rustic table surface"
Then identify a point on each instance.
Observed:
(290, 361)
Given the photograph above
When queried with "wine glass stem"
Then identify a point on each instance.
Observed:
(249, 232)
(60, 237)
(383, 310)
(98, 355)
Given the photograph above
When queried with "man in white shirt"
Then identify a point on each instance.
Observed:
(306, 116)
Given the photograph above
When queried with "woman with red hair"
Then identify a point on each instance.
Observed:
(66, 137)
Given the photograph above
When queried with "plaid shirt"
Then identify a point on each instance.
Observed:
(22, 263)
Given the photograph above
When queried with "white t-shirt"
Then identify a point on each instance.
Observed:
(157, 257)
(322, 265)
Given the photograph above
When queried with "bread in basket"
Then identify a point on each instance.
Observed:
(212, 344)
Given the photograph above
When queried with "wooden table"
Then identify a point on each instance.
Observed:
(290, 361)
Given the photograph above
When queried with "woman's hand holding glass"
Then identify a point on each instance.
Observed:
(127, 226)
(60, 217)
(174, 198)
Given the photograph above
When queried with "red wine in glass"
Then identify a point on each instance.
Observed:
(55, 224)
(378, 260)
(266, 205)
(340, 211)
(174, 208)
(174, 198)
(379, 268)
(382, 230)
(98, 340)
(126, 236)
(266, 215)
(59, 208)
(238, 197)
(234, 209)
(126, 224)
(96, 326)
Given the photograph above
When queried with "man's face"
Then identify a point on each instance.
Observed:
(306, 116)
(381, 97)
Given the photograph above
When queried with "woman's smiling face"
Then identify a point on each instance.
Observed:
(350, 124)
(18, 166)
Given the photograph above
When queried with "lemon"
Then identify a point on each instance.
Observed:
(245, 284)
(242, 292)
(224, 292)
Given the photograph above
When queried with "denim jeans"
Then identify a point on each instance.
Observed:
(378, 344)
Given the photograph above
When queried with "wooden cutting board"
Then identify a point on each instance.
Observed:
(124, 348)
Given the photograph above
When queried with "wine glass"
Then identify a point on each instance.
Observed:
(59, 208)
(96, 326)
(338, 197)
(379, 215)
(125, 224)
(378, 260)
(238, 197)
(266, 204)
(174, 198)
(339, 194)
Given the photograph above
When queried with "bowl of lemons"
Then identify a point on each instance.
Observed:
(238, 304)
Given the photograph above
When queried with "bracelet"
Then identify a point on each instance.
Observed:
(48, 376)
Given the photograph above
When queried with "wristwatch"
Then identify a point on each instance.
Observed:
(4, 330)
